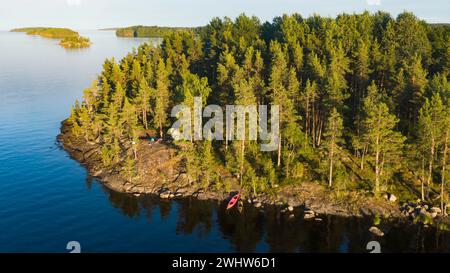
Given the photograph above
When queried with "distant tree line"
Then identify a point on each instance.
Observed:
(150, 31)
(48, 32)
(364, 101)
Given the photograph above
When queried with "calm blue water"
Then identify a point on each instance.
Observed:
(46, 198)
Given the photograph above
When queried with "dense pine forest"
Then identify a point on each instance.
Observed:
(365, 102)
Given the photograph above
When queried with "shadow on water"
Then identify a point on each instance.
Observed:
(271, 230)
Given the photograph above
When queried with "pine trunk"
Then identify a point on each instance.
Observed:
(444, 162)
(430, 166)
(377, 167)
(330, 180)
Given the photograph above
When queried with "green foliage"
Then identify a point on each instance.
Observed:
(352, 90)
(129, 169)
(383, 141)
(377, 220)
(149, 31)
(75, 42)
(47, 32)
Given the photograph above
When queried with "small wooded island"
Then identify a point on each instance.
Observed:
(75, 42)
(69, 38)
(364, 116)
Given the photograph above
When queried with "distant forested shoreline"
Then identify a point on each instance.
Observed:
(150, 31)
(69, 38)
(48, 32)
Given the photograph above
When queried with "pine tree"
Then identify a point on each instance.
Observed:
(360, 81)
(282, 82)
(193, 86)
(333, 138)
(207, 162)
(161, 97)
(243, 88)
(309, 96)
(430, 129)
(445, 143)
(143, 100)
(336, 85)
(129, 169)
(383, 141)
(136, 77)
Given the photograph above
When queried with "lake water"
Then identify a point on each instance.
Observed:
(47, 199)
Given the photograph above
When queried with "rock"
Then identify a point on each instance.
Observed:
(392, 198)
(433, 214)
(309, 216)
(139, 189)
(385, 196)
(308, 211)
(318, 219)
(171, 195)
(376, 231)
(97, 173)
(425, 207)
(365, 212)
(137, 194)
(178, 194)
(424, 212)
(165, 195)
(290, 208)
(291, 216)
(436, 209)
(258, 205)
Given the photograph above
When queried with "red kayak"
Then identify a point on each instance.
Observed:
(233, 200)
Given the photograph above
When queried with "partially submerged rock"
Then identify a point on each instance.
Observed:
(376, 231)
(309, 214)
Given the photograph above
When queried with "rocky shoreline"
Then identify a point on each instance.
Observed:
(160, 174)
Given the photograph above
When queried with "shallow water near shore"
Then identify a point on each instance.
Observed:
(47, 198)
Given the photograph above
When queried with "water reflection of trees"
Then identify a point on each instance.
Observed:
(194, 215)
(251, 230)
(332, 234)
(127, 204)
(245, 230)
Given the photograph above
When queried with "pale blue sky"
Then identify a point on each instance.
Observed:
(94, 14)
